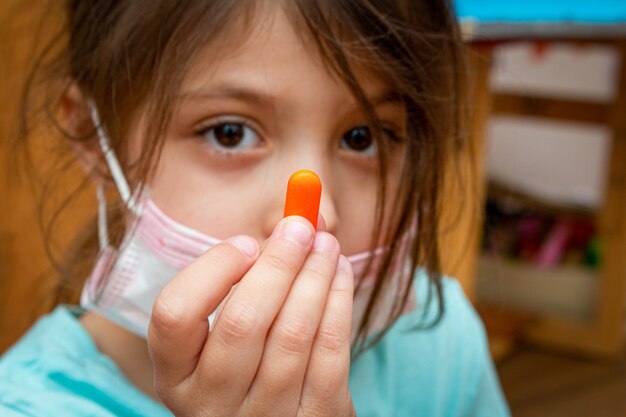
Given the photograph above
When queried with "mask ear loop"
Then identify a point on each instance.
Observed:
(103, 229)
(118, 177)
(112, 162)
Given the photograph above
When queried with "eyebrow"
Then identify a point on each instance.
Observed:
(263, 99)
(230, 91)
(388, 97)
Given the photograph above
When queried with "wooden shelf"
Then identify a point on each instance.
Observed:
(566, 291)
(505, 194)
(601, 335)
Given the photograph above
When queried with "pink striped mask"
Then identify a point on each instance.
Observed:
(125, 282)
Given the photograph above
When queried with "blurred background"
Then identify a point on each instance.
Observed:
(539, 245)
(550, 272)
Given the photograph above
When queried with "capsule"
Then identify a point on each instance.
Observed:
(304, 192)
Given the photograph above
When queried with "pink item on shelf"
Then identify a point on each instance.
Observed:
(555, 245)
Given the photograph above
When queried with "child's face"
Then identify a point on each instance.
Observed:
(269, 106)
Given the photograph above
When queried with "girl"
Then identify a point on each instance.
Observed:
(190, 116)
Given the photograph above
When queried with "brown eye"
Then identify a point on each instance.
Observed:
(231, 137)
(229, 134)
(358, 139)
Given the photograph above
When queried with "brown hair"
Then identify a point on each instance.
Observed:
(131, 57)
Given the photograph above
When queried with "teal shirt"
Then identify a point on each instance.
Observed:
(56, 370)
(442, 371)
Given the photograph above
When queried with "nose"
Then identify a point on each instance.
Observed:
(328, 210)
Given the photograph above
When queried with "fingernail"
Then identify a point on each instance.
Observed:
(321, 223)
(297, 232)
(246, 244)
(344, 263)
(324, 242)
(343, 277)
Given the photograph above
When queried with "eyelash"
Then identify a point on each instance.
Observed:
(388, 131)
(203, 130)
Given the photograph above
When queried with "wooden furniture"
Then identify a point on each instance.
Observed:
(27, 277)
(598, 22)
(604, 335)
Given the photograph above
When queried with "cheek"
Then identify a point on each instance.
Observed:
(357, 211)
(202, 198)
(355, 199)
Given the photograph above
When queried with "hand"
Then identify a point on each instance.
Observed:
(280, 345)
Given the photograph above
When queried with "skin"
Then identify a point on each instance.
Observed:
(280, 344)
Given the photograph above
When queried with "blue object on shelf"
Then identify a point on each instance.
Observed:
(581, 11)
(541, 19)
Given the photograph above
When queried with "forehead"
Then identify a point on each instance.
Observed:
(271, 51)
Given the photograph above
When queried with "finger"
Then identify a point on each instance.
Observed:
(288, 345)
(326, 381)
(178, 328)
(232, 354)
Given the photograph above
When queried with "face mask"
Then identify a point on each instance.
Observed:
(125, 283)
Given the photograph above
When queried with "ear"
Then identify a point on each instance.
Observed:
(77, 123)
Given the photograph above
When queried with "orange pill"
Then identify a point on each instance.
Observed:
(304, 192)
